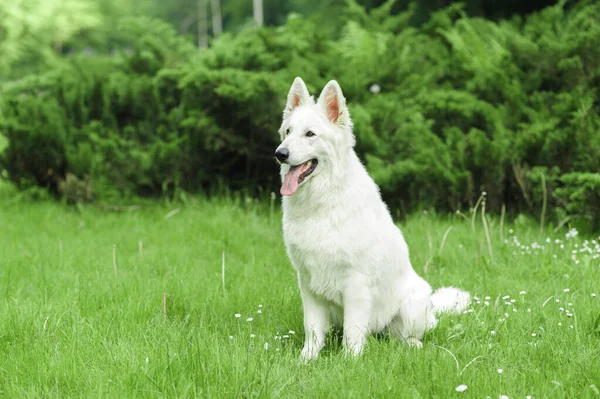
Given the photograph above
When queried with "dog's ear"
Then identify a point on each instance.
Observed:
(297, 96)
(333, 102)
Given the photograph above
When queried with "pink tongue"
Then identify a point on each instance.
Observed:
(290, 181)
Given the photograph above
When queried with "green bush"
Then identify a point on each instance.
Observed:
(465, 105)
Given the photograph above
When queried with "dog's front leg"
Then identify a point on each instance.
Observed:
(357, 312)
(316, 321)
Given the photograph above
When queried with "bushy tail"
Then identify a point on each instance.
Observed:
(450, 300)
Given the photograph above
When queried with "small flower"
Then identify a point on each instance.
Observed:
(513, 300)
(486, 303)
(252, 335)
(533, 334)
(259, 311)
(375, 88)
(593, 295)
(231, 337)
(249, 319)
(461, 388)
(493, 332)
(292, 332)
(505, 297)
(266, 345)
(504, 397)
(500, 371)
(522, 293)
(557, 300)
(571, 326)
(559, 324)
(487, 298)
(286, 336)
(566, 290)
(529, 310)
(260, 306)
(237, 315)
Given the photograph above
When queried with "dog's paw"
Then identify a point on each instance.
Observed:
(308, 354)
(414, 343)
(353, 350)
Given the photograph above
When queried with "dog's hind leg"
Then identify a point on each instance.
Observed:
(411, 322)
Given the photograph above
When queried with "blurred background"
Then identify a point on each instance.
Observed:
(111, 100)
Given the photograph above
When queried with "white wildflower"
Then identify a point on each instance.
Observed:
(461, 388)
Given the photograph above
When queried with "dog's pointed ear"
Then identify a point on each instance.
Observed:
(333, 102)
(297, 96)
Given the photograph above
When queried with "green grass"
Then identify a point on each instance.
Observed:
(72, 327)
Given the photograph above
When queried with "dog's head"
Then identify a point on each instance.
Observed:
(315, 137)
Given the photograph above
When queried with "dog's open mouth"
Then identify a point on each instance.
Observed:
(296, 175)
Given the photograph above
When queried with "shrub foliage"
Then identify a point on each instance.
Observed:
(463, 105)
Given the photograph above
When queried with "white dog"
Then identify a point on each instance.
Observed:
(352, 261)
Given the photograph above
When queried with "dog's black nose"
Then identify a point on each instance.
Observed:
(282, 154)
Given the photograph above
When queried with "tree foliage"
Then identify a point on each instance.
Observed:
(443, 111)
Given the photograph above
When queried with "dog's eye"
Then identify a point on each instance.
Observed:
(309, 134)
(287, 132)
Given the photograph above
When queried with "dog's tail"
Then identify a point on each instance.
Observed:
(450, 300)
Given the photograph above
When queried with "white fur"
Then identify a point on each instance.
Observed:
(352, 261)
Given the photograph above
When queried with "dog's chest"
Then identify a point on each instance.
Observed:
(322, 255)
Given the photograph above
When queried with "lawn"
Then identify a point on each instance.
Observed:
(84, 314)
